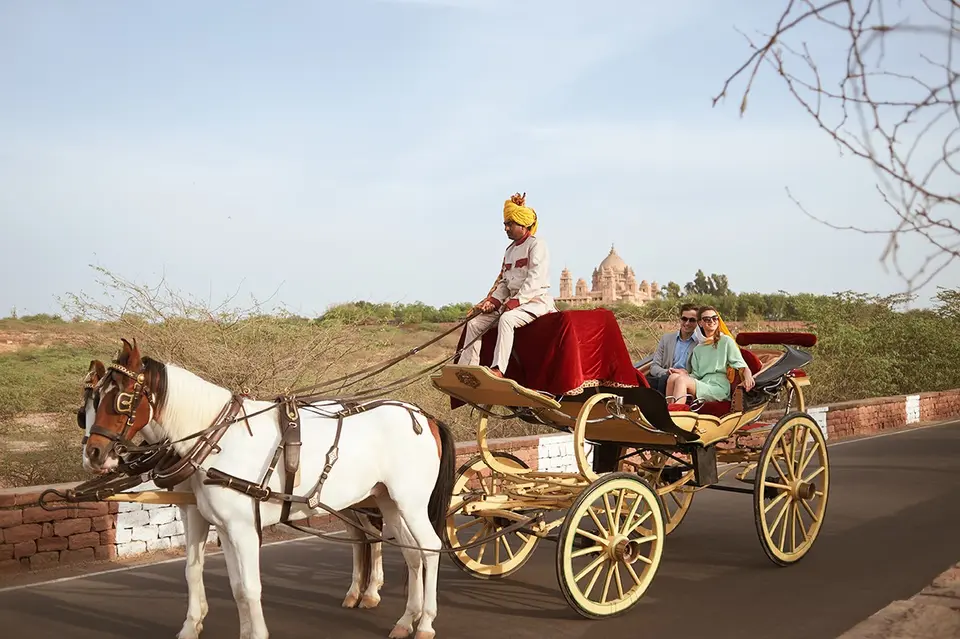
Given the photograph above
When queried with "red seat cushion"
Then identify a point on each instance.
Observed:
(753, 362)
(717, 409)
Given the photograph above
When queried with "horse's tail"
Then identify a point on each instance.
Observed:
(443, 488)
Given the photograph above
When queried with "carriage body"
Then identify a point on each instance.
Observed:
(649, 458)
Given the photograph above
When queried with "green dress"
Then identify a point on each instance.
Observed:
(708, 365)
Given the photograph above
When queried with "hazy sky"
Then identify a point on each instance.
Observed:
(363, 150)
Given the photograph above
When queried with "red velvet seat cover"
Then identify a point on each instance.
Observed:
(560, 352)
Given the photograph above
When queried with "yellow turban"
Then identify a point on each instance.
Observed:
(514, 210)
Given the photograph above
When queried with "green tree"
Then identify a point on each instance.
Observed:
(715, 284)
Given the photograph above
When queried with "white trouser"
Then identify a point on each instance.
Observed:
(509, 321)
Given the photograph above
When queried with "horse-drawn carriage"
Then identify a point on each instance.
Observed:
(571, 372)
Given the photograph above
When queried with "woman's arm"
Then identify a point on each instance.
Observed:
(735, 360)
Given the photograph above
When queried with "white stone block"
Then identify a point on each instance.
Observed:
(132, 548)
(133, 519)
(158, 544)
(212, 535)
(178, 516)
(178, 541)
(819, 415)
(124, 535)
(145, 533)
(913, 409)
(172, 529)
(128, 506)
(163, 515)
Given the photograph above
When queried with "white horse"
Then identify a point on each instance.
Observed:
(367, 578)
(408, 471)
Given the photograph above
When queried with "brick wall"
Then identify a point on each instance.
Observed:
(32, 538)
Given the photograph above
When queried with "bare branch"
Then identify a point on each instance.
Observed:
(905, 106)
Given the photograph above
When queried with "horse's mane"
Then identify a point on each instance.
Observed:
(157, 373)
(185, 402)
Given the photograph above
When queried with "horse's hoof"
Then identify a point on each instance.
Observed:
(190, 633)
(399, 632)
(369, 601)
(423, 634)
(350, 601)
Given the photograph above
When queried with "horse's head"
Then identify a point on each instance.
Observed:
(122, 406)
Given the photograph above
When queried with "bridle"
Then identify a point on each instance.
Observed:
(125, 403)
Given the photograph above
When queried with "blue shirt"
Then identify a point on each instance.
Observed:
(682, 350)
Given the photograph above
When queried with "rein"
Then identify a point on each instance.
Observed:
(157, 462)
(302, 400)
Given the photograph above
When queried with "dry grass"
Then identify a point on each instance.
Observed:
(40, 380)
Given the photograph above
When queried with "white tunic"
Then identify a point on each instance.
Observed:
(526, 276)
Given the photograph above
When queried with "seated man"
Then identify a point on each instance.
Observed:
(522, 291)
(674, 350)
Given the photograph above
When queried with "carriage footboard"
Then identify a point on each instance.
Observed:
(705, 465)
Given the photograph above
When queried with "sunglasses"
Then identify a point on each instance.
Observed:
(688, 320)
(710, 318)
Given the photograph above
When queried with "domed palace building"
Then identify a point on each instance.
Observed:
(613, 281)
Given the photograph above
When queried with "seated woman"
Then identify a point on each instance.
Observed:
(707, 379)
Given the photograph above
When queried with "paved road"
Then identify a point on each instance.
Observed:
(891, 527)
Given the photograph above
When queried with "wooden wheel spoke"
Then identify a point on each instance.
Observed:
(815, 474)
(470, 524)
(776, 522)
(806, 506)
(633, 573)
(483, 547)
(775, 485)
(775, 501)
(480, 534)
(611, 522)
(591, 536)
(783, 531)
(793, 526)
(507, 546)
(606, 586)
(596, 521)
(587, 551)
(803, 448)
(629, 530)
(786, 456)
(596, 563)
(616, 573)
(632, 513)
(620, 500)
(803, 529)
(776, 465)
(807, 459)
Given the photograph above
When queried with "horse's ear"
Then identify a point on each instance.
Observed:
(130, 356)
(100, 369)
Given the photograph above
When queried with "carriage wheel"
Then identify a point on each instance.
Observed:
(650, 465)
(499, 557)
(610, 545)
(791, 488)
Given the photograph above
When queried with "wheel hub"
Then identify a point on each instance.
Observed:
(804, 491)
(624, 550)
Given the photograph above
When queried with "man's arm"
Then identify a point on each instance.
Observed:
(538, 274)
(499, 293)
(656, 368)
